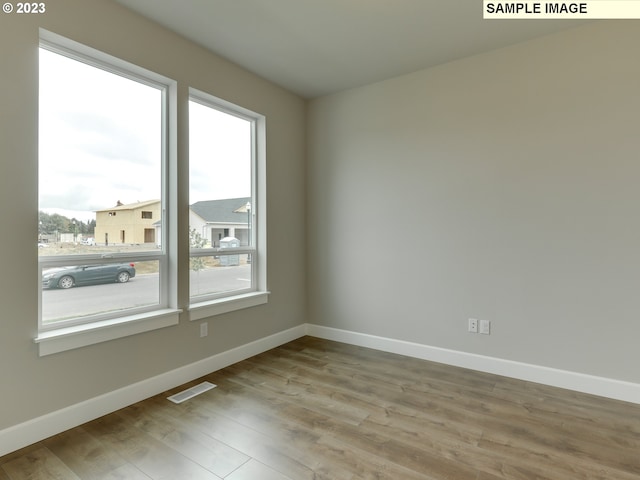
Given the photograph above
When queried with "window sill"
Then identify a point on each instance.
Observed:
(68, 338)
(198, 311)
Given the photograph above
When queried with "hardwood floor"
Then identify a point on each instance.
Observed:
(319, 410)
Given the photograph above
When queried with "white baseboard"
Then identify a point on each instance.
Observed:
(37, 429)
(604, 387)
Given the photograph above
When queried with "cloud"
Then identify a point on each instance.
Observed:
(100, 137)
(100, 141)
(106, 137)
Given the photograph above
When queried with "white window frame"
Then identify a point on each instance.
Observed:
(215, 304)
(92, 329)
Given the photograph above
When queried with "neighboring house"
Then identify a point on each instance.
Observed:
(217, 219)
(128, 224)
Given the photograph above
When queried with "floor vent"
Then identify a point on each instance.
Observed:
(191, 392)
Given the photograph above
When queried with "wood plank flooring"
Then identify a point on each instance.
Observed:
(319, 410)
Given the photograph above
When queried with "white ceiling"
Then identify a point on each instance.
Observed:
(316, 47)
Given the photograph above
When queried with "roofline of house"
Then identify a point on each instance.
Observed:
(128, 206)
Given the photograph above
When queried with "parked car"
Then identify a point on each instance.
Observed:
(89, 241)
(67, 277)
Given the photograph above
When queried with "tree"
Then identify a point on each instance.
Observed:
(197, 263)
(51, 223)
(54, 222)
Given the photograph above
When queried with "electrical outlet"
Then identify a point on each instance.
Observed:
(204, 329)
(485, 327)
(473, 325)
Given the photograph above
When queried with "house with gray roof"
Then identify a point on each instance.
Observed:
(218, 219)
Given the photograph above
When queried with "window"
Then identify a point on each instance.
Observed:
(108, 201)
(226, 211)
(102, 157)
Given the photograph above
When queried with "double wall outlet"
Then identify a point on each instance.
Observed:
(473, 325)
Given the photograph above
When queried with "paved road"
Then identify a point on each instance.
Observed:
(139, 291)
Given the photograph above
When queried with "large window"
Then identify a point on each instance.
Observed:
(225, 211)
(102, 189)
(109, 201)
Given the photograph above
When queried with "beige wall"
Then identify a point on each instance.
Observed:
(33, 386)
(508, 187)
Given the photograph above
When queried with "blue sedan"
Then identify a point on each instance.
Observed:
(67, 277)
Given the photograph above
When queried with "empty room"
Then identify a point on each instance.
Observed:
(342, 240)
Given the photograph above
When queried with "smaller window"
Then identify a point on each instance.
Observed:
(226, 211)
(148, 215)
(112, 214)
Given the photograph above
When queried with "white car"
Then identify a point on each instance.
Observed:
(89, 241)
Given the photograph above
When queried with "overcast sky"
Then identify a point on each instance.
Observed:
(219, 154)
(100, 142)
